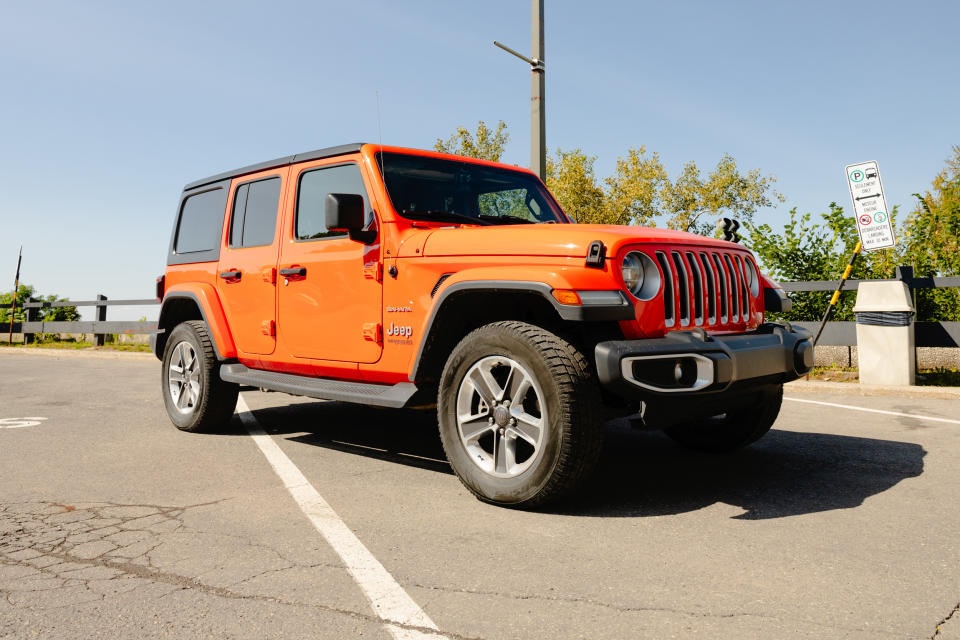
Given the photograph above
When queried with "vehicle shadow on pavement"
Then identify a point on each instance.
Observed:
(399, 435)
(787, 473)
(641, 473)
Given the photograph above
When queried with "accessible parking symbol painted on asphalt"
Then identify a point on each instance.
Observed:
(17, 423)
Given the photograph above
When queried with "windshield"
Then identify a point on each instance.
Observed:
(423, 188)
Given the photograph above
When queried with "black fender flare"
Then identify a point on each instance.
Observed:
(612, 306)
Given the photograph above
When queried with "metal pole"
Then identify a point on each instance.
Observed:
(538, 123)
(13, 303)
(836, 294)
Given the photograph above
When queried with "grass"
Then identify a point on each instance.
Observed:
(938, 377)
(77, 346)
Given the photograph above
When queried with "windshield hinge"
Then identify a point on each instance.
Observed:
(596, 253)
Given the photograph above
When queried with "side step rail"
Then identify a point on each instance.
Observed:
(380, 395)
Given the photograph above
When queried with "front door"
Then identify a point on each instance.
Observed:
(246, 274)
(329, 286)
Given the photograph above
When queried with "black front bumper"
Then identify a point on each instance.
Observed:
(692, 363)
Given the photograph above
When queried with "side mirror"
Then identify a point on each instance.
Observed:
(345, 212)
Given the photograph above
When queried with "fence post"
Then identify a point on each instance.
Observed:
(32, 315)
(100, 338)
(905, 275)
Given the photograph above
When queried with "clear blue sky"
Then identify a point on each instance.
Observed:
(108, 109)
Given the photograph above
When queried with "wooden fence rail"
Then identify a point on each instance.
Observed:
(842, 334)
(99, 327)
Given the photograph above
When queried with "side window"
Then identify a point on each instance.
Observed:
(253, 221)
(201, 219)
(312, 190)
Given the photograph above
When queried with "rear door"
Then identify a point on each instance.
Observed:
(248, 265)
(329, 288)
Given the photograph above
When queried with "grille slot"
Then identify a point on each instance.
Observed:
(668, 306)
(744, 296)
(711, 289)
(703, 288)
(697, 280)
(684, 289)
(734, 289)
(724, 278)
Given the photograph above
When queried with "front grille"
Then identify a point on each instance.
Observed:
(703, 288)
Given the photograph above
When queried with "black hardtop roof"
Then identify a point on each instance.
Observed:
(328, 152)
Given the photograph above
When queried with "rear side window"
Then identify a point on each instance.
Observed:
(253, 221)
(312, 190)
(201, 219)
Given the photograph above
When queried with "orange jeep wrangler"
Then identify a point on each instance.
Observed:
(403, 278)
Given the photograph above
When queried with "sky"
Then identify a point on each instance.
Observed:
(108, 108)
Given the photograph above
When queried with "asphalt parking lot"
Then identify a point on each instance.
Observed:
(113, 524)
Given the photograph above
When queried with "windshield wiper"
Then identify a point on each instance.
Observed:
(507, 219)
(443, 216)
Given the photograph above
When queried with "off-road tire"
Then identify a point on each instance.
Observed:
(572, 435)
(733, 430)
(217, 399)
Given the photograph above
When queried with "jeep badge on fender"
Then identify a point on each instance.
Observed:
(519, 323)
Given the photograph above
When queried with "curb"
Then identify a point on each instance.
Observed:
(77, 353)
(854, 388)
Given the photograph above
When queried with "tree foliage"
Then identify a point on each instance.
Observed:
(807, 250)
(929, 240)
(691, 196)
(641, 192)
(48, 314)
(932, 240)
(484, 144)
(571, 179)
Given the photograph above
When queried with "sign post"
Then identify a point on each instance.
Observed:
(870, 206)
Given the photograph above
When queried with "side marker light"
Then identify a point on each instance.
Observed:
(566, 296)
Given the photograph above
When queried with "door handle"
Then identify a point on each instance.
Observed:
(294, 271)
(230, 275)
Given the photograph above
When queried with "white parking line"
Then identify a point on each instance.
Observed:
(889, 413)
(389, 600)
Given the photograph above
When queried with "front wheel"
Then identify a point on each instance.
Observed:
(195, 396)
(518, 410)
(733, 430)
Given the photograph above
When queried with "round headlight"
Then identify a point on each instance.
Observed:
(632, 271)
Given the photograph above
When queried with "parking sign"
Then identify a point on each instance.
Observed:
(869, 206)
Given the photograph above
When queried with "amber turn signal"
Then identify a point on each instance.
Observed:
(566, 296)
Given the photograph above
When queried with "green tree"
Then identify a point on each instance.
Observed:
(571, 179)
(24, 293)
(932, 240)
(634, 193)
(806, 250)
(484, 144)
(640, 190)
(691, 197)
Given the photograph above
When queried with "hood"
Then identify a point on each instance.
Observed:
(563, 240)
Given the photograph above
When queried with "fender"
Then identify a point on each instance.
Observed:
(207, 300)
(774, 298)
(596, 305)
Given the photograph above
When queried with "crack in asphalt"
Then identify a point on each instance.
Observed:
(87, 552)
(631, 609)
(944, 621)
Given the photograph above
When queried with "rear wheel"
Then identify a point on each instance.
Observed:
(195, 396)
(519, 414)
(733, 430)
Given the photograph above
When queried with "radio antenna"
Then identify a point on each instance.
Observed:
(380, 137)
